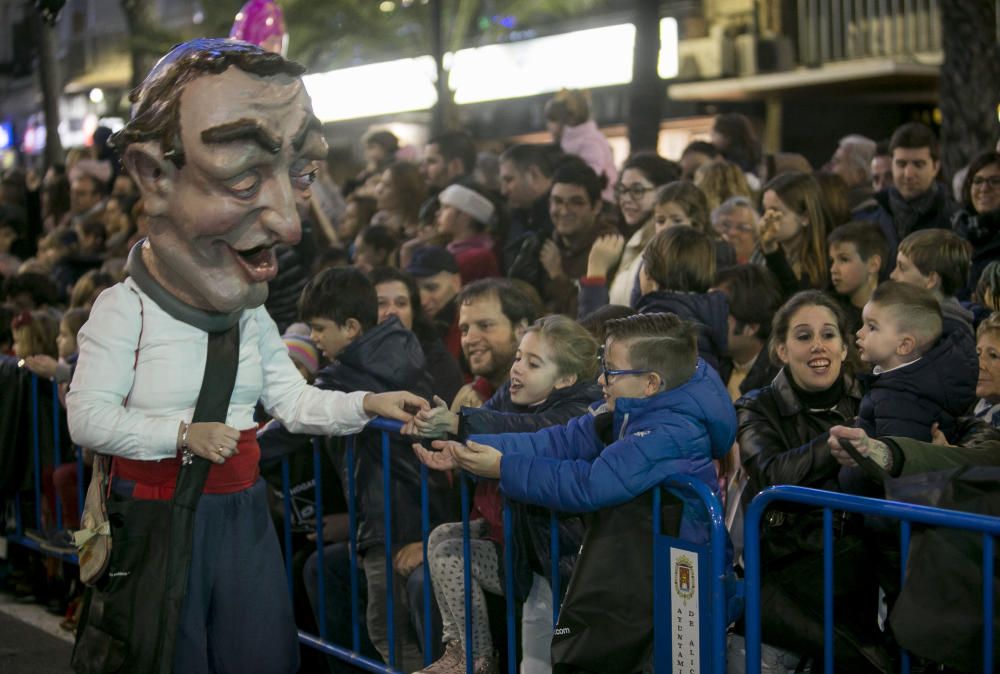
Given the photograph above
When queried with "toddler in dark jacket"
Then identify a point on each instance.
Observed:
(922, 376)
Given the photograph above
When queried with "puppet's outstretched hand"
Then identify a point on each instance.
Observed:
(399, 405)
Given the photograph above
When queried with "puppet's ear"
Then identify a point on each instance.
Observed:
(152, 173)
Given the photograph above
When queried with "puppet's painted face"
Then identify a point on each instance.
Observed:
(251, 147)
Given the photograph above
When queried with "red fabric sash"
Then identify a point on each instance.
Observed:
(156, 480)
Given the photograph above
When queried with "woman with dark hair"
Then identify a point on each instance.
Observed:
(792, 232)
(834, 191)
(979, 219)
(783, 432)
(399, 296)
(636, 195)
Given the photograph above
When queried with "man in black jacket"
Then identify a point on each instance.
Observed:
(916, 200)
(525, 181)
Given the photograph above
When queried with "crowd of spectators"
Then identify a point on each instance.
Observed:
(859, 294)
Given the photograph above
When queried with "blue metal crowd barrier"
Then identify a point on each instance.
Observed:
(710, 559)
(19, 537)
(905, 513)
(710, 563)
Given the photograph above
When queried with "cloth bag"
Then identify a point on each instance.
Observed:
(93, 540)
(939, 612)
(130, 616)
(606, 620)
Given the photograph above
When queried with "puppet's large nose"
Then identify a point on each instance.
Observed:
(280, 215)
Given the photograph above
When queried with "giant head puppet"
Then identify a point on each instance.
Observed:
(223, 144)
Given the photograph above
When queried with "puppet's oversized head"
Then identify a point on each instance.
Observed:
(223, 144)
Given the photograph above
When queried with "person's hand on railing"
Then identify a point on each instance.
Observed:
(481, 460)
(336, 528)
(43, 366)
(436, 422)
(398, 405)
(408, 558)
(874, 449)
(442, 461)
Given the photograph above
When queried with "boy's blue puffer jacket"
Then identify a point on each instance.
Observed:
(569, 468)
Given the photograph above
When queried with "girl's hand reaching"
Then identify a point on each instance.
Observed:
(436, 422)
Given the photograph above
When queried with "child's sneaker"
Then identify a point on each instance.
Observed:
(452, 662)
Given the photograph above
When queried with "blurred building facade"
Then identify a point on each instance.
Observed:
(784, 63)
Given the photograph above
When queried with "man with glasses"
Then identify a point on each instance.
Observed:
(575, 206)
(734, 221)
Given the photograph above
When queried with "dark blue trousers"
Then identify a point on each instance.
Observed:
(237, 613)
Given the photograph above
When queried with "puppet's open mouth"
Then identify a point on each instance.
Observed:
(259, 262)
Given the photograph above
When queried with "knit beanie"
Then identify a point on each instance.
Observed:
(302, 350)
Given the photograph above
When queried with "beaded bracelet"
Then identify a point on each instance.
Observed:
(187, 456)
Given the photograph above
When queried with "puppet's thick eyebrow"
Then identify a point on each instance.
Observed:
(243, 129)
(311, 123)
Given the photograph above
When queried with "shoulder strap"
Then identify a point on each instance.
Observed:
(217, 386)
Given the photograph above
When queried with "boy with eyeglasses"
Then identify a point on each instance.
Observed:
(665, 412)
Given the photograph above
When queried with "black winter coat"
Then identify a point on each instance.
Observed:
(783, 442)
(709, 310)
(531, 537)
(939, 215)
(983, 232)
(940, 387)
(385, 358)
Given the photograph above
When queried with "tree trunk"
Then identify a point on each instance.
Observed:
(51, 85)
(646, 90)
(970, 81)
(141, 25)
